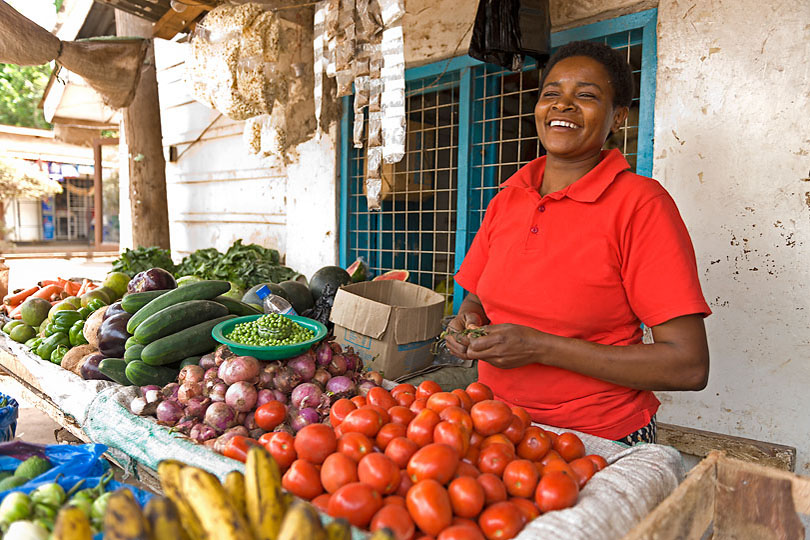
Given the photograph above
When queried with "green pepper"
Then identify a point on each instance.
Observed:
(33, 343)
(85, 312)
(99, 507)
(58, 353)
(48, 344)
(76, 334)
(50, 330)
(49, 494)
(63, 320)
(96, 303)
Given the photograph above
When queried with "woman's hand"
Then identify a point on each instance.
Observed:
(471, 315)
(507, 346)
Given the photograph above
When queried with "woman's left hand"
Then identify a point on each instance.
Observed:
(508, 346)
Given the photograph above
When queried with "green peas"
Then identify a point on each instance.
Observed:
(271, 330)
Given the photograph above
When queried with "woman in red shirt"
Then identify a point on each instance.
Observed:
(573, 255)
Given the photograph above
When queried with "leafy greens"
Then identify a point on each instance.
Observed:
(137, 260)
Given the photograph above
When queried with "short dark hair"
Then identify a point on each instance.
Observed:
(619, 71)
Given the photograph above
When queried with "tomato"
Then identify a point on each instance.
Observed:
(558, 465)
(337, 471)
(359, 401)
(420, 430)
(302, 479)
(453, 435)
(386, 418)
(494, 490)
(515, 430)
(465, 522)
(400, 450)
(339, 410)
(501, 520)
(388, 433)
(405, 399)
(379, 472)
(466, 469)
(521, 413)
(405, 483)
(321, 502)
(436, 461)
(534, 444)
(394, 499)
(402, 387)
(338, 430)
(282, 448)
(553, 436)
(457, 415)
(380, 397)
(555, 491)
(494, 458)
(466, 496)
(472, 454)
(237, 447)
(314, 442)
(356, 502)
(551, 455)
(441, 400)
(569, 446)
(520, 477)
(401, 415)
(498, 438)
(396, 519)
(479, 392)
(364, 420)
(264, 440)
(429, 505)
(418, 404)
(583, 469)
(526, 506)
(355, 445)
(464, 398)
(490, 416)
(427, 389)
(476, 439)
(270, 415)
(461, 532)
(598, 461)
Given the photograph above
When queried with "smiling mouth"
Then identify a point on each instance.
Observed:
(562, 123)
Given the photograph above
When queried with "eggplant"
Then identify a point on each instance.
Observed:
(112, 336)
(154, 279)
(90, 370)
(114, 309)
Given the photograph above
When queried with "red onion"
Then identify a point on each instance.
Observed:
(170, 390)
(221, 354)
(285, 427)
(321, 377)
(218, 392)
(196, 407)
(305, 395)
(353, 362)
(211, 374)
(241, 396)
(303, 418)
(148, 387)
(189, 390)
(184, 425)
(338, 365)
(220, 416)
(365, 386)
(340, 387)
(239, 368)
(191, 374)
(323, 354)
(240, 418)
(373, 376)
(210, 384)
(151, 393)
(250, 421)
(222, 440)
(265, 379)
(281, 396)
(207, 361)
(201, 433)
(256, 433)
(304, 364)
(264, 396)
(169, 412)
(286, 379)
(335, 346)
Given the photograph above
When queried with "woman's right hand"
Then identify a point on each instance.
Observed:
(456, 342)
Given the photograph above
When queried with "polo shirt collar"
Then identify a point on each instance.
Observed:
(587, 189)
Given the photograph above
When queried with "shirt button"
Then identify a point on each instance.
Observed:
(542, 208)
(533, 230)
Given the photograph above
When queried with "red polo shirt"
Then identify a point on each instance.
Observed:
(591, 261)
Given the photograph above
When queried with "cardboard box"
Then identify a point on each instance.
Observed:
(390, 324)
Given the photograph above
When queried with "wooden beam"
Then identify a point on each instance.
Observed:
(173, 22)
(699, 443)
(98, 194)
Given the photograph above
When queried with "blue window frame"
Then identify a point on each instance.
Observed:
(470, 127)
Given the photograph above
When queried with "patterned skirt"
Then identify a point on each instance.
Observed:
(643, 435)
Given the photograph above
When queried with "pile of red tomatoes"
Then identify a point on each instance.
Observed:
(431, 464)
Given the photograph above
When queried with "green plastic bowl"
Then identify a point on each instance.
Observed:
(268, 352)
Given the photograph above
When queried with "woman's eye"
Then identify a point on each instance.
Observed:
(587, 96)
(549, 94)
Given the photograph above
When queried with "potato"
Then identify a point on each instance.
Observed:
(92, 325)
(72, 359)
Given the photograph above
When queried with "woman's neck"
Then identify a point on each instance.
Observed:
(561, 173)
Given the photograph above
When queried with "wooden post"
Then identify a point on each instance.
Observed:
(147, 167)
(97, 193)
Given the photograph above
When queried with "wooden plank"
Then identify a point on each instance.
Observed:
(700, 443)
(10, 363)
(173, 22)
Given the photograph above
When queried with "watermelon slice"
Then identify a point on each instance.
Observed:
(399, 275)
(358, 270)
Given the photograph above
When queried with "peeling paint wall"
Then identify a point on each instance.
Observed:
(732, 145)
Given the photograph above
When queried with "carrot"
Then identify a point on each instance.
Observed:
(14, 299)
(71, 287)
(46, 282)
(47, 292)
(16, 313)
(83, 287)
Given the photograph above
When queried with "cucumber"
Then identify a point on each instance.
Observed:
(130, 342)
(236, 307)
(191, 341)
(190, 361)
(132, 302)
(115, 369)
(141, 374)
(203, 290)
(133, 353)
(174, 318)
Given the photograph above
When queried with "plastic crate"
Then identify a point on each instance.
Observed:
(8, 418)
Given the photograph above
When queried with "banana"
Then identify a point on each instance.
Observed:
(382, 534)
(164, 521)
(235, 488)
(338, 529)
(123, 519)
(207, 497)
(72, 524)
(169, 472)
(264, 498)
(301, 522)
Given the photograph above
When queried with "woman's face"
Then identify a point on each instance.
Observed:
(575, 111)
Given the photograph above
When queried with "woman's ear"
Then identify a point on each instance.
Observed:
(619, 116)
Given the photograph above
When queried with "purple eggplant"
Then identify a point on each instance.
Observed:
(112, 335)
(90, 370)
(154, 279)
(114, 309)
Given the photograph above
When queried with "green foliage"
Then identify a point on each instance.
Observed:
(21, 88)
(137, 260)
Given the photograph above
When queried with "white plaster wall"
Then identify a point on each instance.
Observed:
(732, 145)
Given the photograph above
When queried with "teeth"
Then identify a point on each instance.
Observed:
(562, 123)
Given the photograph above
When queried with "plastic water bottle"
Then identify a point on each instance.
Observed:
(273, 303)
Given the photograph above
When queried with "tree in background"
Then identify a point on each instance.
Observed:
(20, 179)
(21, 89)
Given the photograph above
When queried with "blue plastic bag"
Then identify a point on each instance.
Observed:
(70, 463)
(8, 418)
